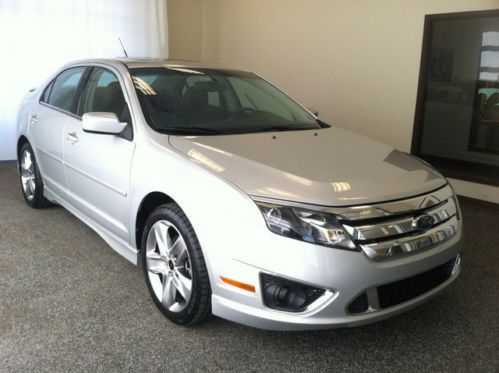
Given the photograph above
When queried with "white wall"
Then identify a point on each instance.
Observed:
(37, 36)
(357, 61)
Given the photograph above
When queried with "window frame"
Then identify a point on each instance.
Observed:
(77, 94)
(84, 88)
(455, 168)
(80, 89)
(46, 92)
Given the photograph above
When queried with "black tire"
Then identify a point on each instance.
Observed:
(198, 308)
(36, 200)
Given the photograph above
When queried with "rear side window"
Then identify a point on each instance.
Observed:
(64, 88)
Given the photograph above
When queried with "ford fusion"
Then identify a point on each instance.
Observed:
(234, 199)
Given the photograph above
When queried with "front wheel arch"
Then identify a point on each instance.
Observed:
(146, 207)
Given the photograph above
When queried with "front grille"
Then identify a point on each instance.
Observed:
(393, 230)
(401, 291)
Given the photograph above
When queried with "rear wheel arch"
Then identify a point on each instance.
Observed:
(20, 142)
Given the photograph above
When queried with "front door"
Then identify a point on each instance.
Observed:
(98, 165)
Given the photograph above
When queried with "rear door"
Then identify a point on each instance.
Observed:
(46, 126)
(98, 165)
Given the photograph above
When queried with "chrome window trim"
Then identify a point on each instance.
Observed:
(62, 111)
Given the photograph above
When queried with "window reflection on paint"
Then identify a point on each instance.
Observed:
(298, 179)
(201, 158)
(271, 190)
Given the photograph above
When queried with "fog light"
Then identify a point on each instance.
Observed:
(285, 295)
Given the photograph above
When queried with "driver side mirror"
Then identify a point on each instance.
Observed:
(103, 123)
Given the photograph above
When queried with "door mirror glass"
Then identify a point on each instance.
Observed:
(105, 123)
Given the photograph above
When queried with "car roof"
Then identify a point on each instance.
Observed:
(152, 62)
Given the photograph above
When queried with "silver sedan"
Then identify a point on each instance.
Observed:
(235, 199)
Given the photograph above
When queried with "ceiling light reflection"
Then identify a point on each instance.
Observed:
(341, 186)
(183, 70)
(143, 87)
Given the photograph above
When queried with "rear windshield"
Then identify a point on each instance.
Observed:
(211, 101)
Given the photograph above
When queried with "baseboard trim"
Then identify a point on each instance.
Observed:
(13, 162)
(491, 206)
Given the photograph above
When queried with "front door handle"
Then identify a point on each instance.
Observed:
(33, 119)
(72, 137)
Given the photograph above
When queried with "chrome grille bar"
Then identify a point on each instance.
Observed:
(411, 244)
(391, 230)
(400, 226)
(388, 209)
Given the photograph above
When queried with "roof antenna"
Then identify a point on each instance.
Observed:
(122, 46)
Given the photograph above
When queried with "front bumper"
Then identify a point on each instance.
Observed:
(344, 274)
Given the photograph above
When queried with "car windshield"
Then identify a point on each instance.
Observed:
(184, 101)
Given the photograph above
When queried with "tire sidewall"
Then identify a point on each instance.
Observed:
(38, 195)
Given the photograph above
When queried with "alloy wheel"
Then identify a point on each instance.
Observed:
(169, 266)
(28, 174)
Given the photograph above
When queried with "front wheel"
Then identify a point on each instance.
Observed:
(174, 266)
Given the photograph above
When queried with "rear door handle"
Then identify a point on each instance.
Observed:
(72, 137)
(33, 119)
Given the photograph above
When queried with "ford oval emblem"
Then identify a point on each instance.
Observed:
(423, 222)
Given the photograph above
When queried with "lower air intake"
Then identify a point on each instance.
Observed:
(401, 291)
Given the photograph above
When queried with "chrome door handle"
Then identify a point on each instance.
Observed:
(33, 119)
(72, 137)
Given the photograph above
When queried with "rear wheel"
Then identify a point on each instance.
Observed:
(174, 266)
(31, 179)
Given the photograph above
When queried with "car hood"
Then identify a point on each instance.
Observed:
(329, 167)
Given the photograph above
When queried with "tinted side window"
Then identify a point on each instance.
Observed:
(64, 88)
(103, 94)
(46, 92)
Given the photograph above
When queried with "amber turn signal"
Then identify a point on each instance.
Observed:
(238, 284)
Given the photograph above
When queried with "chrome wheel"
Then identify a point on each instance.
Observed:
(169, 266)
(28, 174)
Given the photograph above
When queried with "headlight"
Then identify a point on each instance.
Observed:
(306, 225)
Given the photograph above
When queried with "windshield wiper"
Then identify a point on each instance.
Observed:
(278, 128)
(203, 130)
